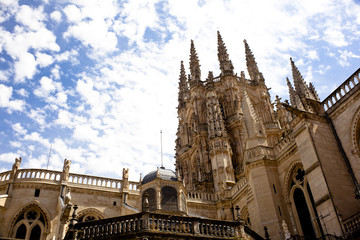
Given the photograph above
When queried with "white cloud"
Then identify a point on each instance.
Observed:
(345, 56)
(22, 92)
(44, 59)
(94, 33)
(25, 67)
(6, 102)
(73, 13)
(32, 18)
(19, 129)
(56, 16)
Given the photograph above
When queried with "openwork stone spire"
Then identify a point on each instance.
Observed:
(183, 87)
(252, 67)
(300, 86)
(313, 91)
(226, 66)
(294, 98)
(194, 66)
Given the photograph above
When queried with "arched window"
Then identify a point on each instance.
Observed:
(302, 204)
(30, 224)
(90, 214)
(151, 197)
(169, 199)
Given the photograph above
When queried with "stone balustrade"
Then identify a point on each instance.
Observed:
(342, 90)
(238, 186)
(44, 175)
(37, 174)
(283, 143)
(94, 181)
(156, 224)
(352, 224)
(203, 196)
(259, 151)
(5, 176)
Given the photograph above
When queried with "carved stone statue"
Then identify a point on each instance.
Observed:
(67, 197)
(16, 166)
(125, 178)
(66, 170)
(286, 230)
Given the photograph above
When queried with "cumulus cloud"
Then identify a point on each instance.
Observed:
(56, 16)
(7, 102)
(19, 129)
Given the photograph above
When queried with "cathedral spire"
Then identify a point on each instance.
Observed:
(194, 66)
(291, 92)
(226, 66)
(294, 97)
(183, 87)
(252, 67)
(300, 86)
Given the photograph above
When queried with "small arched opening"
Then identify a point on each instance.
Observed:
(169, 199)
(151, 198)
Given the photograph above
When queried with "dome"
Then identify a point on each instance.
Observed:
(165, 174)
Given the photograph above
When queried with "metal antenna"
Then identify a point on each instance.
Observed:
(47, 166)
(162, 163)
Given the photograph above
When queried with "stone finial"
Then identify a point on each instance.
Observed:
(226, 66)
(66, 169)
(210, 80)
(194, 66)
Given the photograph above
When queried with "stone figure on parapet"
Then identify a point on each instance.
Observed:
(66, 170)
(15, 166)
(125, 178)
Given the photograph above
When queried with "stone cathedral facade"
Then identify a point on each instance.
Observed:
(243, 163)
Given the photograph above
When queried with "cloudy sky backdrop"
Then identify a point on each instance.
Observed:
(97, 79)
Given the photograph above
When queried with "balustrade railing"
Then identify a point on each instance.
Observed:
(342, 90)
(352, 224)
(238, 186)
(202, 196)
(283, 143)
(259, 151)
(23, 175)
(37, 174)
(94, 181)
(5, 176)
(153, 223)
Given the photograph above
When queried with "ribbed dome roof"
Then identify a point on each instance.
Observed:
(165, 174)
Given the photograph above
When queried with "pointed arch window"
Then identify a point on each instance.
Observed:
(30, 224)
(302, 204)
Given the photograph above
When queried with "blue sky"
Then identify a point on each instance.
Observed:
(98, 79)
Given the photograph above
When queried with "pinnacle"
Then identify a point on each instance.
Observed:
(226, 66)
